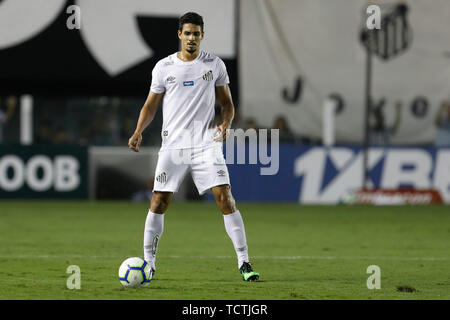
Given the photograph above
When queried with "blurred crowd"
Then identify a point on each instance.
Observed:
(442, 122)
(101, 121)
(8, 106)
(110, 121)
(286, 135)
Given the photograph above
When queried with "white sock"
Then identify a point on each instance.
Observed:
(234, 225)
(154, 226)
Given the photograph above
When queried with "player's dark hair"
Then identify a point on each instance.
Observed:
(190, 17)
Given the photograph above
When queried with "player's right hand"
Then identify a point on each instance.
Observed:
(135, 142)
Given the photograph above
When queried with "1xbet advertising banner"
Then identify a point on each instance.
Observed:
(37, 172)
(321, 175)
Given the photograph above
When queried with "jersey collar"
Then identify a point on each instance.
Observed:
(186, 63)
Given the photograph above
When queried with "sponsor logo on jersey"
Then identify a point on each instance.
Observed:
(162, 177)
(171, 79)
(208, 76)
(221, 173)
(188, 83)
(208, 60)
(165, 133)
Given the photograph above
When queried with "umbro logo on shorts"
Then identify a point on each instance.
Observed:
(221, 173)
(162, 177)
(208, 76)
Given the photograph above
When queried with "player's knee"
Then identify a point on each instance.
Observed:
(160, 202)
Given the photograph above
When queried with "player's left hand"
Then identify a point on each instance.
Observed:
(222, 132)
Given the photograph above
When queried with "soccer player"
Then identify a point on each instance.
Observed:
(188, 83)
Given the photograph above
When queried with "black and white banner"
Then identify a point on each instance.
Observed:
(113, 51)
(294, 54)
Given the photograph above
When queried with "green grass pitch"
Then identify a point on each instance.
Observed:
(301, 252)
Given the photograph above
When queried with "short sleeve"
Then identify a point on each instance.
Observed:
(157, 85)
(222, 78)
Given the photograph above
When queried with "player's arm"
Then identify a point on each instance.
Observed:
(146, 116)
(223, 95)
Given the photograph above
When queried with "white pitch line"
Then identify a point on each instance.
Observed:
(231, 257)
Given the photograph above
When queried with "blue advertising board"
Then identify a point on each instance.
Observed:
(309, 174)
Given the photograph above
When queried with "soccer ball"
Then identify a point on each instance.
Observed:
(135, 272)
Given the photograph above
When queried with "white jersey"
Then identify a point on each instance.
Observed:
(189, 99)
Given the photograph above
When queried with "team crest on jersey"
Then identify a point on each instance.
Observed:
(162, 177)
(208, 75)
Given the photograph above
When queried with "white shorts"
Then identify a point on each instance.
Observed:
(207, 167)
